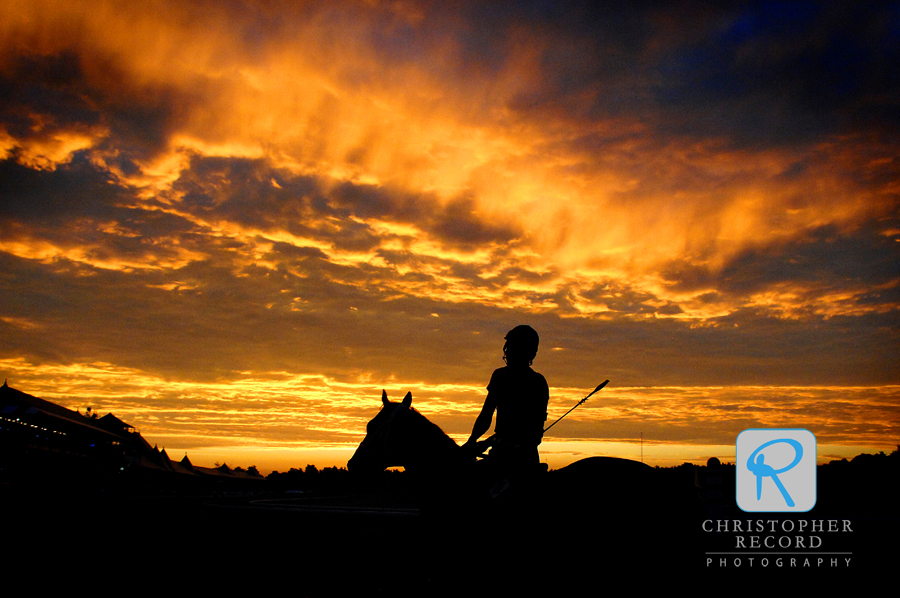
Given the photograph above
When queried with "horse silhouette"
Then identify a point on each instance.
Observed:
(619, 508)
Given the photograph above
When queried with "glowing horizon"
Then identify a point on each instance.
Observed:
(256, 417)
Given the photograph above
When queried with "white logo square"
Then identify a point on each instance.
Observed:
(775, 470)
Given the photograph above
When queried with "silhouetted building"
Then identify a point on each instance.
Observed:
(43, 441)
(42, 432)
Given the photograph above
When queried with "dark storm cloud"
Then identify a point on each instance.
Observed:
(454, 222)
(755, 73)
(252, 192)
(49, 94)
(81, 207)
(40, 197)
(825, 260)
(624, 300)
(777, 73)
(41, 95)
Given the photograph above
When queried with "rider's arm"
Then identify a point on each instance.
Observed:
(484, 419)
(544, 399)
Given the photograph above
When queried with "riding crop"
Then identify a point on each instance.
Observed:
(578, 404)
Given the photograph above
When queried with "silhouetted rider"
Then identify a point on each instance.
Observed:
(520, 396)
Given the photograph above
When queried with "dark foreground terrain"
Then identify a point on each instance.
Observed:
(387, 542)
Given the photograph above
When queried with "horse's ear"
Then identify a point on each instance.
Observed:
(407, 400)
(384, 399)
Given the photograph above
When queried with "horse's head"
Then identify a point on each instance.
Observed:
(383, 445)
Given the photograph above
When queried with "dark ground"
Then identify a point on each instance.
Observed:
(378, 542)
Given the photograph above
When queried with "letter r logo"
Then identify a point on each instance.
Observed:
(775, 470)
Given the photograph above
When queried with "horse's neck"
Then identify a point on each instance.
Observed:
(429, 446)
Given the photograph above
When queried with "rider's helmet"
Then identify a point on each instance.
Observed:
(521, 340)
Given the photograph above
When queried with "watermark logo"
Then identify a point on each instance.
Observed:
(775, 470)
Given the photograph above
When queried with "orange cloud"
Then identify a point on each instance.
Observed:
(329, 105)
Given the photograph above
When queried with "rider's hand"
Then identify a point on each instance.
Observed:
(470, 448)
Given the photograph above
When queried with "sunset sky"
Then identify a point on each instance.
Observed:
(232, 223)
